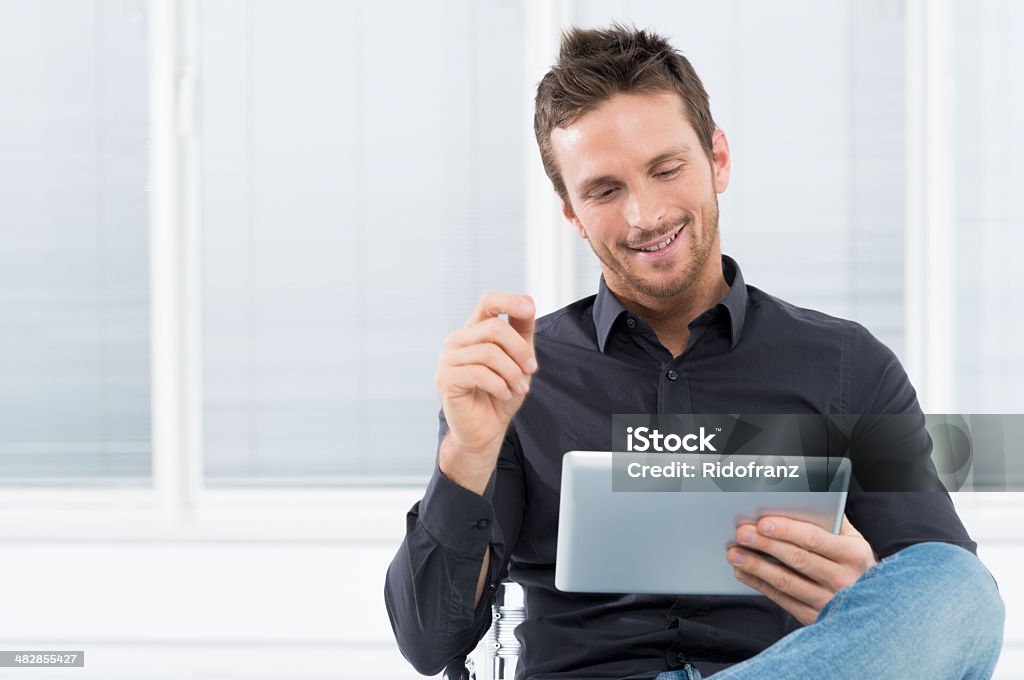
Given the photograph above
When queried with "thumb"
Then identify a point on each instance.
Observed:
(524, 319)
(847, 529)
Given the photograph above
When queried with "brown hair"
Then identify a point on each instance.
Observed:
(596, 64)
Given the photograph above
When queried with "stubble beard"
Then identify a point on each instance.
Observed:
(700, 251)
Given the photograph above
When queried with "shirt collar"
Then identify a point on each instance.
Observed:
(607, 308)
(735, 301)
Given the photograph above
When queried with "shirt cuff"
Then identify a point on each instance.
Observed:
(459, 519)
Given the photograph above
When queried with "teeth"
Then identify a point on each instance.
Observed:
(659, 246)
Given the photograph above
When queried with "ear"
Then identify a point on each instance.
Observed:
(721, 161)
(570, 217)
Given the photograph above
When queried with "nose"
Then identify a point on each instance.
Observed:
(644, 208)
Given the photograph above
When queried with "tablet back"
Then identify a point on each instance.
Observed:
(667, 542)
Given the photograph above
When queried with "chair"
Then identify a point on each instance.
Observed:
(499, 648)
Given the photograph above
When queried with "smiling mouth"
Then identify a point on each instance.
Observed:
(658, 245)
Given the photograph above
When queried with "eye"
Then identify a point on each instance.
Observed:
(603, 195)
(669, 174)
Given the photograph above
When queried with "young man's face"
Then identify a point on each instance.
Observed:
(636, 177)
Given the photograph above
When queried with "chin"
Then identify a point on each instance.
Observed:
(661, 288)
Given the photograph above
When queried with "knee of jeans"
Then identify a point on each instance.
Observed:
(969, 586)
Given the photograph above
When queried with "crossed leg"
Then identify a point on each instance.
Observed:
(932, 611)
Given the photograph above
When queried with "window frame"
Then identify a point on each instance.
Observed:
(180, 506)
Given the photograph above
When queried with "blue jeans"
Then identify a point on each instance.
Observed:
(931, 611)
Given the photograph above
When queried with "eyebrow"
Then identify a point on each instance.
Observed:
(671, 153)
(590, 184)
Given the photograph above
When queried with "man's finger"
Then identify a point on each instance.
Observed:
(806, 535)
(465, 379)
(804, 613)
(803, 560)
(493, 357)
(526, 323)
(494, 302)
(848, 529)
(780, 577)
(496, 331)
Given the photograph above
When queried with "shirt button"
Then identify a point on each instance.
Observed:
(672, 374)
(483, 524)
(631, 322)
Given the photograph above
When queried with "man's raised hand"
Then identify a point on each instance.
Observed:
(483, 375)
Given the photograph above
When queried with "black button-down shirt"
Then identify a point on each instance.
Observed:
(750, 353)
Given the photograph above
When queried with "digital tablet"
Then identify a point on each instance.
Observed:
(675, 542)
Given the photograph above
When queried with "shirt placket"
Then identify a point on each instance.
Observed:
(674, 379)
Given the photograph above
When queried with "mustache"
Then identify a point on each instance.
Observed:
(660, 237)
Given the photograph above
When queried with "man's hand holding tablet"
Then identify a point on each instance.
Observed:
(812, 563)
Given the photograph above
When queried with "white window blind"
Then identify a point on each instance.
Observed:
(362, 180)
(988, 228)
(74, 300)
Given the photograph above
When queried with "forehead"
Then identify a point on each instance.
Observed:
(621, 135)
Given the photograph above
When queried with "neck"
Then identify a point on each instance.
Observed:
(670, 317)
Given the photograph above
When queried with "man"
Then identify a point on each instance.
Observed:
(627, 138)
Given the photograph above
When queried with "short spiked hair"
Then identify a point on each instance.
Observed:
(594, 65)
